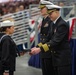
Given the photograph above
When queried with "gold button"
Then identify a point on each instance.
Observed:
(51, 51)
(43, 39)
(48, 45)
(44, 34)
(54, 51)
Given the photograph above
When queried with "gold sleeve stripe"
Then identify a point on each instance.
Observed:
(45, 47)
(40, 44)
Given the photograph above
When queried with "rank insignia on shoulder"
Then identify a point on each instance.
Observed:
(46, 25)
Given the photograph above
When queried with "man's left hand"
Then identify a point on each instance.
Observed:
(35, 50)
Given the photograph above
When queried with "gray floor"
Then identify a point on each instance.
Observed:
(22, 67)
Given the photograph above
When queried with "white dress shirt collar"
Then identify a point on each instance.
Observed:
(56, 20)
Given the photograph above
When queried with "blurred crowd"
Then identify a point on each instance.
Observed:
(16, 6)
(12, 7)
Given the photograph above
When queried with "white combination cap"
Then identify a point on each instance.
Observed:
(53, 8)
(7, 23)
(44, 3)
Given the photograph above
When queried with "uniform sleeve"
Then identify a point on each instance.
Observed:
(57, 38)
(39, 44)
(5, 54)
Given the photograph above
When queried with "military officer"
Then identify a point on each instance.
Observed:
(44, 37)
(58, 44)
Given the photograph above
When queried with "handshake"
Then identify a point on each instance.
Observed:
(32, 51)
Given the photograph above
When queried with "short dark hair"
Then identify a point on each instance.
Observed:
(2, 29)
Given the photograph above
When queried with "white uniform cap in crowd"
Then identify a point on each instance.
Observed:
(7, 23)
(44, 3)
(53, 8)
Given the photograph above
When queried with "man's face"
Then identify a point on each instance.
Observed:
(21, 7)
(53, 15)
(43, 11)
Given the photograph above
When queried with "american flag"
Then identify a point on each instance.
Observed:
(72, 27)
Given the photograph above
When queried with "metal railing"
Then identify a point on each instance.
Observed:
(21, 35)
(68, 12)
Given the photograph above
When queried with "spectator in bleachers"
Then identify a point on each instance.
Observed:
(4, 10)
(17, 9)
(11, 9)
(65, 9)
(1, 12)
(61, 4)
(21, 7)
